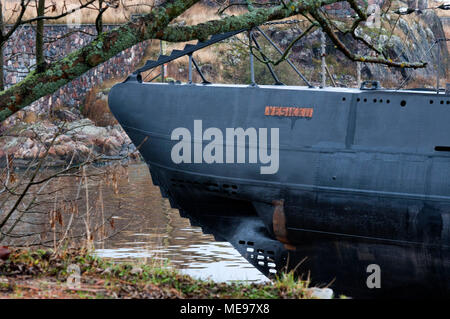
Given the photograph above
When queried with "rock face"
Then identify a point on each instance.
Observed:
(413, 40)
(26, 135)
(74, 141)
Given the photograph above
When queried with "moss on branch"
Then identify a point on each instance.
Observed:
(104, 47)
(155, 25)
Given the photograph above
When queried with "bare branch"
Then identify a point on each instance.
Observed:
(326, 27)
(264, 59)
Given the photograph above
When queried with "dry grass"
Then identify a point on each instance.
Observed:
(447, 35)
(197, 14)
(87, 15)
(178, 69)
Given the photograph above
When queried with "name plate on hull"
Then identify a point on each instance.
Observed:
(289, 111)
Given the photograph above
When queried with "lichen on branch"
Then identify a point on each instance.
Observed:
(155, 25)
(104, 47)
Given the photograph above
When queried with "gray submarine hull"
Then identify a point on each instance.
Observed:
(363, 178)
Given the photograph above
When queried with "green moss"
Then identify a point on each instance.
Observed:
(4, 114)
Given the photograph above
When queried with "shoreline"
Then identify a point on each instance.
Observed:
(25, 144)
(77, 273)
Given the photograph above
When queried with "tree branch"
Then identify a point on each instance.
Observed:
(151, 26)
(248, 20)
(155, 25)
(326, 27)
(104, 47)
(265, 59)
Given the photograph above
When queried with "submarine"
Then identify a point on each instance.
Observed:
(349, 188)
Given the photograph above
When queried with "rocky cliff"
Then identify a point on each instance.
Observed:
(413, 40)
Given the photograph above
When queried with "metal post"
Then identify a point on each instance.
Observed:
(438, 66)
(200, 72)
(287, 59)
(161, 52)
(358, 72)
(272, 72)
(190, 68)
(252, 67)
(322, 38)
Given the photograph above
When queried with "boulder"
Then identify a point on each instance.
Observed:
(30, 117)
(65, 115)
(61, 139)
(320, 293)
(81, 140)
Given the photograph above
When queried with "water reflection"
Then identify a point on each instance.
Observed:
(216, 261)
(154, 231)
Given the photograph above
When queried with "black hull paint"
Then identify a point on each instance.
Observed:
(359, 183)
(409, 269)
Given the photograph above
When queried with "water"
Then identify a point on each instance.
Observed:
(154, 231)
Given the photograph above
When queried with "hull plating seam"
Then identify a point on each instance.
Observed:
(313, 188)
(375, 239)
(432, 154)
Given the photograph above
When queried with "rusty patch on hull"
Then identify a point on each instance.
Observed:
(279, 224)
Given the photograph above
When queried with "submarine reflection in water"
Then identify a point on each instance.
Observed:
(345, 265)
(363, 178)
